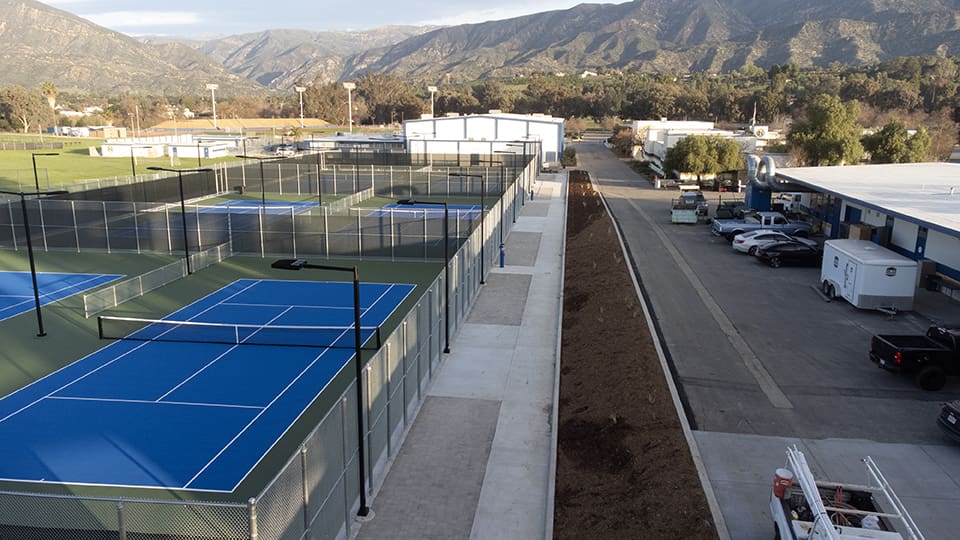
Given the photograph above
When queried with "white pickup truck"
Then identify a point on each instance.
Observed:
(728, 228)
(825, 510)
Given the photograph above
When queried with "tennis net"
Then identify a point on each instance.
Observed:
(334, 337)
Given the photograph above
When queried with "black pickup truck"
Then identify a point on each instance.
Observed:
(929, 358)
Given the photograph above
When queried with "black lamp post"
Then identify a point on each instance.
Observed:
(483, 211)
(199, 163)
(319, 156)
(446, 264)
(183, 207)
(33, 266)
(263, 189)
(36, 179)
(503, 187)
(297, 264)
(523, 192)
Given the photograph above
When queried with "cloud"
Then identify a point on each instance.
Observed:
(496, 13)
(134, 19)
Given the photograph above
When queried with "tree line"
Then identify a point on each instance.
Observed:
(917, 91)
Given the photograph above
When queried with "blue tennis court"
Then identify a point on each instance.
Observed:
(180, 414)
(256, 207)
(16, 289)
(430, 211)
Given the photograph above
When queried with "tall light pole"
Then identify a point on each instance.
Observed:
(446, 264)
(36, 179)
(213, 98)
(297, 264)
(183, 207)
(33, 266)
(350, 87)
(433, 90)
(300, 90)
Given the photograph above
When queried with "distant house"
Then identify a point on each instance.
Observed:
(586, 74)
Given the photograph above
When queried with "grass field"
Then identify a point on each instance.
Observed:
(75, 164)
(25, 357)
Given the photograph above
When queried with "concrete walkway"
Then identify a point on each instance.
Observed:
(476, 463)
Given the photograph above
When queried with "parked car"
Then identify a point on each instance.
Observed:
(750, 241)
(728, 228)
(285, 150)
(696, 200)
(929, 358)
(949, 419)
(776, 254)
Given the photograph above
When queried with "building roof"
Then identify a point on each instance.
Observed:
(926, 193)
(536, 118)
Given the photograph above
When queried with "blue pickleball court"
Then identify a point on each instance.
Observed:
(16, 289)
(184, 414)
(283, 208)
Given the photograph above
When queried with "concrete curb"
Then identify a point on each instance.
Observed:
(712, 502)
(555, 413)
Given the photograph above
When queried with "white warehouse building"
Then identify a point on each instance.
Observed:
(913, 209)
(487, 134)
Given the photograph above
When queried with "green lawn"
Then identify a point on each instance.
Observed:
(74, 164)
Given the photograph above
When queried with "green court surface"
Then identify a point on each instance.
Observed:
(70, 336)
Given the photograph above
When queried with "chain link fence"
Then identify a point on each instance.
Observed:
(316, 494)
(137, 286)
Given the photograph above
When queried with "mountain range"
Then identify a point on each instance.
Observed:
(40, 43)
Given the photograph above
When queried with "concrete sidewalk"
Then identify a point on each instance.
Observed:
(476, 463)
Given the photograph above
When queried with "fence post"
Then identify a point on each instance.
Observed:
(306, 491)
(252, 518)
(106, 225)
(121, 521)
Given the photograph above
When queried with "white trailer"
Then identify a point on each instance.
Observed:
(868, 275)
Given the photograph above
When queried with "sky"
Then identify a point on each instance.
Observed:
(208, 18)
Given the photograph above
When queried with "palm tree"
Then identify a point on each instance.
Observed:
(50, 92)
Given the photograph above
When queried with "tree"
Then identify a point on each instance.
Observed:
(622, 140)
(704, 154)
(830, 134)
(23, 108)
(49, 91)
(493, 95)
(574, 126)
(892, 144)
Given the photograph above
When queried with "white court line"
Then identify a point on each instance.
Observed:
(212, 362)
(279, 395)
(91, 372)
(151, 402)
(255, 418)
(298, 306)
(30, 298)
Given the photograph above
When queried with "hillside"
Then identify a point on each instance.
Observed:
(39, 43)
(677, 35)
(278, 58)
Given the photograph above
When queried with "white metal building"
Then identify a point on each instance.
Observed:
(912, 208)
(486, 134)
(659, 136)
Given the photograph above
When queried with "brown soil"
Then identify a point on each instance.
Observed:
(623, 466)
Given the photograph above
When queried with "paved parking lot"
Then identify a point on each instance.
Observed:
(762, 359)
